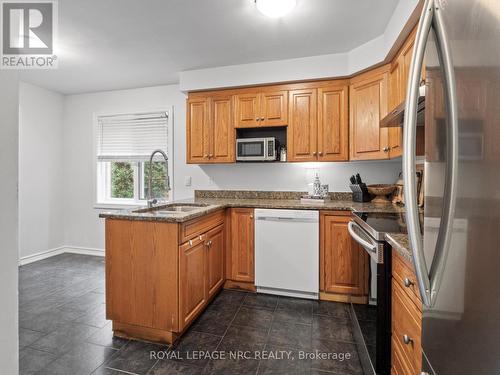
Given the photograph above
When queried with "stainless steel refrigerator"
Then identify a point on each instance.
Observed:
(457, 258)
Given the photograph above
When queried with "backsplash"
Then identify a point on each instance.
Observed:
(253, 194)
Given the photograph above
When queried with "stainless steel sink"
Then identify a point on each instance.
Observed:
(173, 208)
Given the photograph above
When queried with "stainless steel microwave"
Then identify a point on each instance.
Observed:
(256, 149)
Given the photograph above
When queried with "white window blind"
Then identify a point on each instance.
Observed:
(131, 137)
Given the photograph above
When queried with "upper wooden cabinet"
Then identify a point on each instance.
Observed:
(368, 105)
(197, 130)
(328, 120)
(333, 124)
(303, 127)
(318, 126)
(209, 130)
(255, 109)
(343, 263)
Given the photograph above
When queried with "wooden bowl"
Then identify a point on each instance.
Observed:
(381, 191)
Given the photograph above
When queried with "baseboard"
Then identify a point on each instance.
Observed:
(40, 256)
(60, 250)
(84, 250)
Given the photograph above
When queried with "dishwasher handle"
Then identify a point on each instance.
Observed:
(287, 219)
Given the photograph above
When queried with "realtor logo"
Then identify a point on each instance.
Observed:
(28, 33)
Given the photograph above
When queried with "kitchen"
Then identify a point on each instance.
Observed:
(259, 204)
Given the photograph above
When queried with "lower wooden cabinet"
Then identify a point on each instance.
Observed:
(215, 260)
(343, 263)
(192, 271)
(240, 259)
(160, 276)
(406, 319)
(201, 271)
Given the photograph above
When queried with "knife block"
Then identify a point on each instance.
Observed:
(360, 193)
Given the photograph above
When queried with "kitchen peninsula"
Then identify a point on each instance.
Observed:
(164, 266)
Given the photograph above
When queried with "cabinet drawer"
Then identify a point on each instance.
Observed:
(198, 226)
(402, 272)
(399, 365)
(407, 320)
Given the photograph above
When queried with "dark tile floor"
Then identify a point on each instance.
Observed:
(63, 330)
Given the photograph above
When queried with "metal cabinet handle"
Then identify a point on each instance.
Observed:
(262, 119)
(320, 153)
(205, 156)
(209, 243)
(429, 282)
(407, 339)
(190, 242)
(257, 119)
(210, 156)
(408, 283)
(314, 153)
(251, 216)
(386, 149)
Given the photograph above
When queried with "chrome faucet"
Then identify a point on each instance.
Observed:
(153, 201)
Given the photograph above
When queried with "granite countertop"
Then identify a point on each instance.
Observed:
(214, 204)
(401, 243)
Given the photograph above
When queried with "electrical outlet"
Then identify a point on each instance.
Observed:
(187, 181)
(211, 181)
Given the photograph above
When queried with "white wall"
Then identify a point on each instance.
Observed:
(9, 110)
(84, 229)
(41, 221)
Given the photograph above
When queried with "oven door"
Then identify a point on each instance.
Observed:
(374, 248)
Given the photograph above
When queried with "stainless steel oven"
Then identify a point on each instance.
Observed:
(372, 322)
(256, 149)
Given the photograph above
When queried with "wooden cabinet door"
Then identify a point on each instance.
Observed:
(395, 84)
(344, 264)
(242, 245)
(406, 56)
(198, 130)
(222, 131)
(302, 125)
(333, 126)
(396, 97)
(395, 142)
(192, 276)
(368, 105)
(215, 260)
(247, 110)
(274, 108)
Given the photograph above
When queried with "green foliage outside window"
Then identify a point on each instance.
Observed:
(122, 180)
(158, 183)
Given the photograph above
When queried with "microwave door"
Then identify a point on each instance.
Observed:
(250, 150)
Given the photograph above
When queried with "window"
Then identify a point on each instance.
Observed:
(123, 147)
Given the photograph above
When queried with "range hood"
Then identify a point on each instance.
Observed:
(396, 117)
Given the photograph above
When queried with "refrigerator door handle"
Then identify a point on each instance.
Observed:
(429, 282)
(451, 174)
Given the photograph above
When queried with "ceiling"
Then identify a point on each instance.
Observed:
(118, 44)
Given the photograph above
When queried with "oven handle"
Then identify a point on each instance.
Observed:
(352, 227)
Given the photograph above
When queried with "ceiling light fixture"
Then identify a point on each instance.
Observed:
(275, 8)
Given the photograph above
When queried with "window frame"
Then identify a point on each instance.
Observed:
(101, 171)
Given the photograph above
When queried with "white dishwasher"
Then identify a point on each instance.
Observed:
(287, 252)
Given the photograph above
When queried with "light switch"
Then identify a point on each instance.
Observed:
(187, 181)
